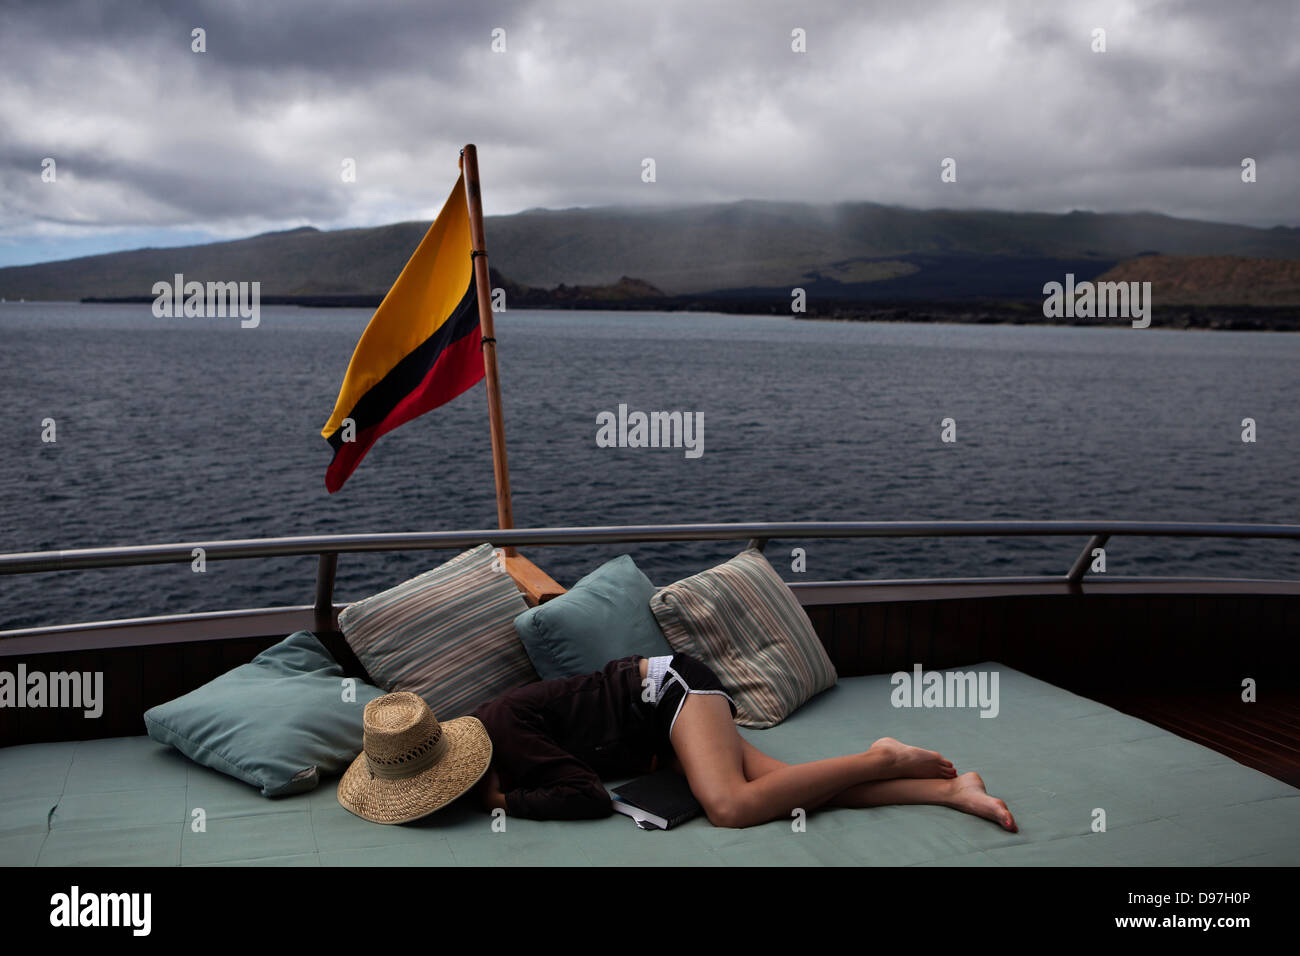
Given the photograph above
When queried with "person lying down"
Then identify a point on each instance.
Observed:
(554, 741)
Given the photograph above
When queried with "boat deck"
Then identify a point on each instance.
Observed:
(1057, 758)
(1119, 694)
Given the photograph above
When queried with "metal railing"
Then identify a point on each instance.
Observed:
(757, 534)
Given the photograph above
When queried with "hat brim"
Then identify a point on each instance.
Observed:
(469, 752)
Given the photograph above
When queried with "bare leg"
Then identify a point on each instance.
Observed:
(965, 793)
(758, 763)
(712, 755)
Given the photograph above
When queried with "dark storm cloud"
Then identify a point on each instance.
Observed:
(251, 134)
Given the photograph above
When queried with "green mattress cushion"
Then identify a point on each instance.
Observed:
(278, 722)
(604, 617)
(1055, 757)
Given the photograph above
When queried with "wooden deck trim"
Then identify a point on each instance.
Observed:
(536, 585)
(1261, 735)
(815, 593)
(164, 629)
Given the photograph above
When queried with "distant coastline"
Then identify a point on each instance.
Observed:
(850, 261)
(1236, 318)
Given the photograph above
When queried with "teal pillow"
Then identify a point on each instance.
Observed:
(604, 617)
(278, 722)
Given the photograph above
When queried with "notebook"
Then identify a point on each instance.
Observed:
(657, 801)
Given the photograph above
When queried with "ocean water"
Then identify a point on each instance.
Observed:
(197, 429)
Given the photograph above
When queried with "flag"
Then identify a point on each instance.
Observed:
(421, 349)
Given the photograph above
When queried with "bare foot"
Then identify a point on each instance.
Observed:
(969, 796)
(913, 761)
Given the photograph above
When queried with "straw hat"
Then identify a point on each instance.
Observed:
(412, 765)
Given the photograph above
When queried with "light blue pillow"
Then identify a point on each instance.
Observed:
(278, 722)
(604, 617)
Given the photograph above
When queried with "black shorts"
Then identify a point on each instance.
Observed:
(698, 679)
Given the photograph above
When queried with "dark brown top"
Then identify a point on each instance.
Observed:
(553, 741)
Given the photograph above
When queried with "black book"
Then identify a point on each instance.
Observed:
(659, 800)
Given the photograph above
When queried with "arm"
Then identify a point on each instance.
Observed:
(531, 775)
(489, 791)
(559, 787)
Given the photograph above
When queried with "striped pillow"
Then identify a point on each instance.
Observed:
(447, 635)
(742, 620)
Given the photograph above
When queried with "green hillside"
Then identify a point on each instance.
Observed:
(680, 251)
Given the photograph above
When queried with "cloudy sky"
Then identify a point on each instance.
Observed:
(155, 144)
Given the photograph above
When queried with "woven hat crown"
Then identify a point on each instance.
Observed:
(401, 735)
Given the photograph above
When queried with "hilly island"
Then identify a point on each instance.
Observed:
(852, 261)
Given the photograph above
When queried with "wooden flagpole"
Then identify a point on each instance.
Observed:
(483, 290)
(536, 585)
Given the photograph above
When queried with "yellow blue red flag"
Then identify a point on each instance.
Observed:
(421, 349)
